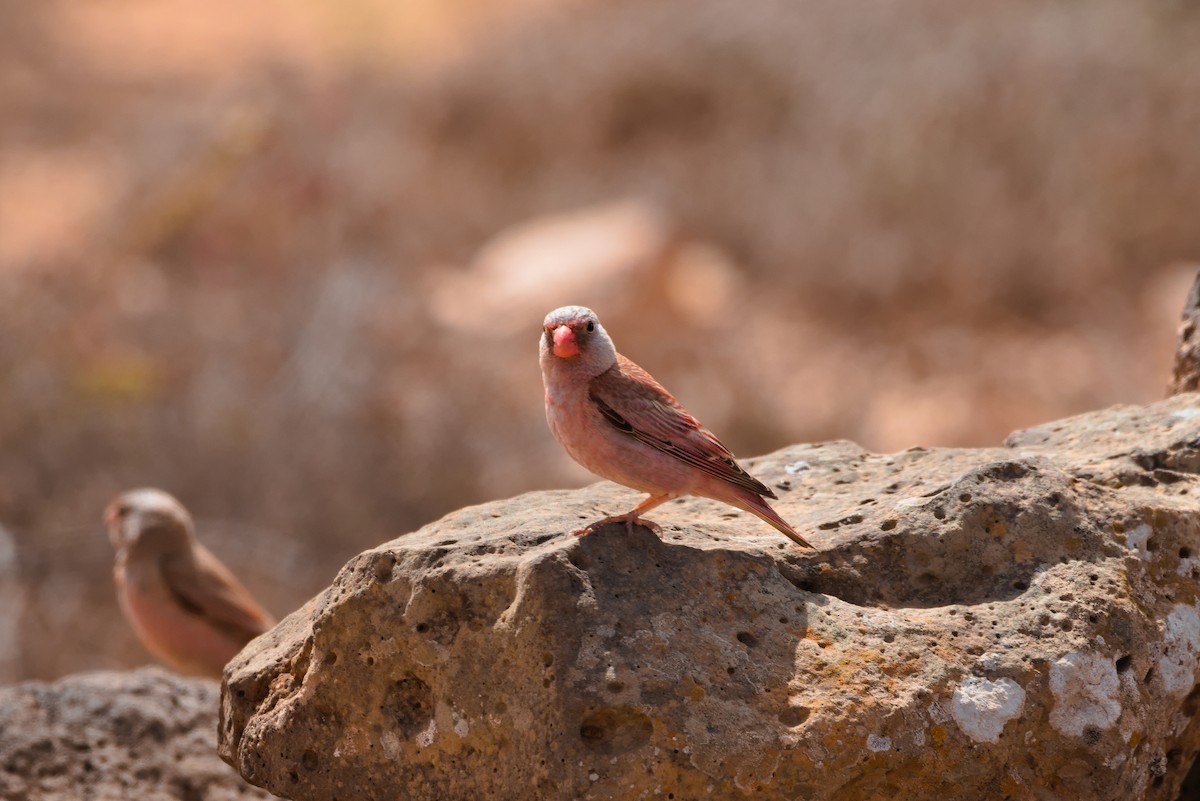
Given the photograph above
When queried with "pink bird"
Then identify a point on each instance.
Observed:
(617, 421)
(183, 603)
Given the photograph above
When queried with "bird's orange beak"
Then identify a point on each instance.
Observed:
(565, 344)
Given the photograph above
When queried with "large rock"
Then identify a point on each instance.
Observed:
(1016, 622)
(145, 735)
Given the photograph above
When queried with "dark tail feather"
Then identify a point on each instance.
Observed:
(760, 508)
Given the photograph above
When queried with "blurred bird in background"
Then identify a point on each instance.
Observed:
(617, 421)
(185, 605)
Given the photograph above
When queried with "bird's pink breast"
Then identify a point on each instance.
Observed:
(597, 445)
(180, 638)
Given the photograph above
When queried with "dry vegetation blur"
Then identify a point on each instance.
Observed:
(289, 260)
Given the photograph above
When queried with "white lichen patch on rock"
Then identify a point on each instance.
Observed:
(981, 706)
(1181, 644)
(425, 736)
(390, 743)
(877, 743)
(1085, 688)
(1136, 540)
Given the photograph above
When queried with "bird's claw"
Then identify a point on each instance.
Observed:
(628, 520)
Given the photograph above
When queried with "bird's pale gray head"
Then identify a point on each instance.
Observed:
(143, 515)
(573, 335)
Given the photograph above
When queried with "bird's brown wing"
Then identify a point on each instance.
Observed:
(204, 586)
(634, 403)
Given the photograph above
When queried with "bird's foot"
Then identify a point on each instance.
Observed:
(630, 520)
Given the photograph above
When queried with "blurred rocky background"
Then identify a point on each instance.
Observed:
(288, 260)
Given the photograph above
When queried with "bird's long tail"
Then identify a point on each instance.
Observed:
(760, 508)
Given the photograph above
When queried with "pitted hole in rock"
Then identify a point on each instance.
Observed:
(1191, 704)
(802, 584)
(850, 520)
(794, 716)
(1192, 781)
(533, 540)
(615, 730)
(747, 639)
(442, 627)
(1124, 663)
(1173, 757)
(148, 774)
(409, 702)
(383, 567)
(1005, 471)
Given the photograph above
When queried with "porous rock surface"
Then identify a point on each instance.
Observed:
(147, 735)
(1016, 622)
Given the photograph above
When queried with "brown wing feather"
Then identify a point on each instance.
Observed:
(634, 403)
(205, 586)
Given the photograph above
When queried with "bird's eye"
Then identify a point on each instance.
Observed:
(591, 326)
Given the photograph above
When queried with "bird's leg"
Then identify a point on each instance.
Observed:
(645, 506)
(630, 517)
